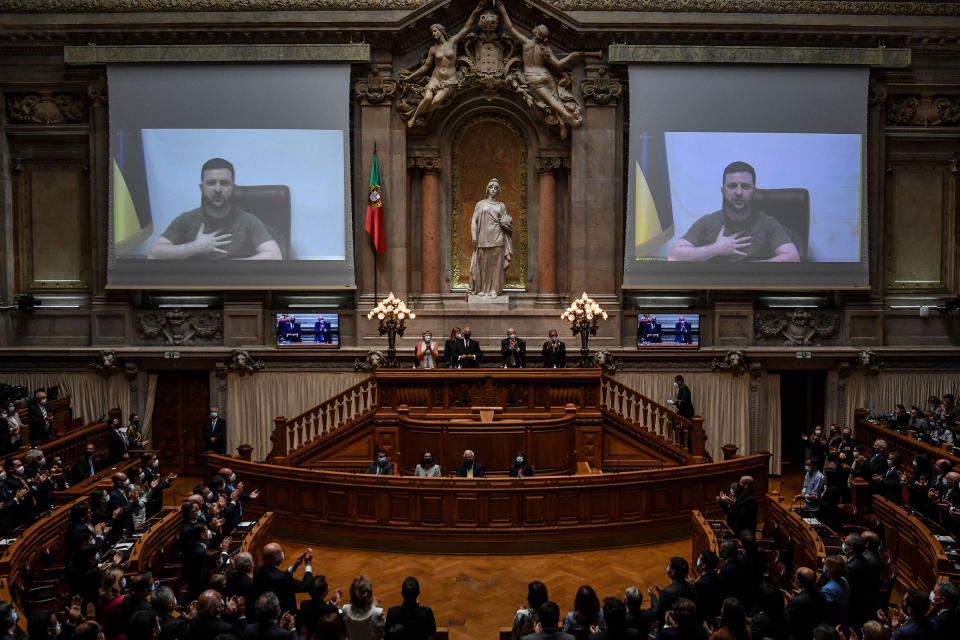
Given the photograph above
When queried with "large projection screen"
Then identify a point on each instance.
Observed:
(790, 214)
(281, 218)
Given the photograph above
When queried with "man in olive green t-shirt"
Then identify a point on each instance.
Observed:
(738, 231)
(217, 230)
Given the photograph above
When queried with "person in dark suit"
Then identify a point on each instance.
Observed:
(294, 331)
(215, 432)
(521, 467)
(86, 464)
(548, 616)
(317, 610)
(470, 468)
(710, 587)
(140, 587)
(662, 600)
(267, 609)
(270, 577)
(654, 333)
(917, 626)
(39, 418)
(864, 579)
(283, 325)
(637, 617)
(682, 331)
(239, 582)
(733, 574)
(946, 603)
(321, 331)
(615, 617)
(769, 618)
(466, 352)
(513, 350)
(410, 621)
(380, 465)
(807, 607)
(171, 627)
(215, 617)
(683, 401)
(643, 327)
(118, 447)
(682, 623)
(554, 352)
(741, 509)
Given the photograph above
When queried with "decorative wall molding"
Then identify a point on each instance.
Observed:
(925, 110)
(733, 361)
(241, 361)
(797, 328)
(427, 164)
(142, 54)
(47, 107)
(600, 88)
(376, 88)
(549, 164)
(177, 327)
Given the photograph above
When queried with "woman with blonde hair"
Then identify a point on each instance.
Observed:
(363, 617)
(455, 334)
(110, 607)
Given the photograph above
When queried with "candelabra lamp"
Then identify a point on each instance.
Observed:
(392, 314)
(584, 315)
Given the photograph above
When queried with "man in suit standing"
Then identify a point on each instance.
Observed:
(662, 600)
(554, 352)
(267, 610)
(40, 418)
(470, 468)
(215, 432)
(410, 620)
(466, 352)
(864, 579)
(239, 583)
(741, 509)
(380, 466)
(270, 577)
(118, 447)
(917, 625)
(946, 604)
(807, 607)
(548, 617)
(683, 401)
(513, 350)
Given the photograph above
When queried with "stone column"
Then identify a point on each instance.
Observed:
(431, 262)
(547, 166)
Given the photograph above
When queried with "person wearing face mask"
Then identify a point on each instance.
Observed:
(135, 433)
(891, 484)
(118, 447)
(10, 428)
(215, 432)
(710, 587)
(813, 485)
(864, 579)
(915, 623)
(683, 399)
(741, 509)
(427, 468)
(513, 351)
(270, 577)
(521, 467)
(554, 352)
(39, 418)
(661, 600)
(86, 466)
(945, 599)
(876, 465)
(380, 465)
(151, 471)
(466, 351)
(450, 345)
(427, 352)
(470, 468)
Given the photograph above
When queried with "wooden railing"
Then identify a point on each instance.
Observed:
(348, 406)
(644, 414)
(921, 560)
(704, 538)
(86, 486)
(153, 539)
(867, 432)
(808, 548)
(258, 536)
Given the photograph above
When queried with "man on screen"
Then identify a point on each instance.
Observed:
(738, 231)
(217, 229)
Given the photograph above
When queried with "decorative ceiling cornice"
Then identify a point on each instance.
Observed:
(828, 7)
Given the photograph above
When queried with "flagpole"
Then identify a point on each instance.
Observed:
(376, 295)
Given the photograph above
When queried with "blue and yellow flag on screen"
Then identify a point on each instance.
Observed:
(653, 209)
(132, 221)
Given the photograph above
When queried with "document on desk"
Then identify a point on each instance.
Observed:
(813, 522)
(945, 539)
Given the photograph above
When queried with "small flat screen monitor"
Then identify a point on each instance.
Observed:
(308, 331)
(668, 330)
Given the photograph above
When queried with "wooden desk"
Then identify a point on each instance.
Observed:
(808, 549)
(153, 539)
(258, 536)
(86, 486)
(704, 539)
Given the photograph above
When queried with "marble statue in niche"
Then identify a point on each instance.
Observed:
(492, 232)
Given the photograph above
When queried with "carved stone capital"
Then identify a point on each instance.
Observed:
(733, 361)
(427, 164)
(47, 107)
(240, 360)
(549, 164)
(876, 94)
(376, 88)
(599, 87)
(97, 93)
(756, 372)
(177, 327)
(924, 110)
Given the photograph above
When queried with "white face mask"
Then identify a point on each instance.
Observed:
(3, 476)
(519, 459)
(459, 336)
(933, 597)
(427, 339)
(233, 477)
(155, 464)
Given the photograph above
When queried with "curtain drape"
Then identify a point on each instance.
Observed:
(721, 398)
(879, 393)
(253, 401)
(770, 434)
(147, 416)
(91, 394)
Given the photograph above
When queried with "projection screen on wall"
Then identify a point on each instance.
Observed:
(746, 177)
(230, 176)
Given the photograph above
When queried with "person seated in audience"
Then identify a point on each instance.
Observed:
(87, 465)
(427, 352)
(615, 618)
(937, 408)
(554, 351)
(450, 346)
(740, 506)
(11, 430)
(216, 616)
(513, 351)
(172, 627)
(380, 466)
(942, 434)
(911, 621)
(363, 617)
(470, 468)
(661, 600)
(521, 467)
(270, 625)
(525, 617)
(917, 421)
(769, 618)
(586, 614)
(322, 331)
(637, 617)
(837, 591)
(710, 587)
(427, 467)
(813, 487)
(269, 576)
(733, 622)
(318, 612)
(806, 607)
(945, 598)
(545, 627)
(682, 623)
(294, 331)
(410, 621)
(864, 579)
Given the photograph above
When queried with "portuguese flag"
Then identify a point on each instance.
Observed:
(375, 226)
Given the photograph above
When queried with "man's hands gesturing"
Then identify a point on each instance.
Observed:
(210, 242)
(731, 245)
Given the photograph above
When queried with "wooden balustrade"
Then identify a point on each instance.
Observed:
(62, 415)
(153, 539)
(348, 406)
(867, 432)
(704, 539)
(255, 539)
(87, 485)
(643, 414)
(808, 549)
